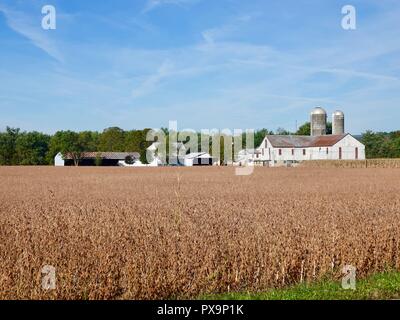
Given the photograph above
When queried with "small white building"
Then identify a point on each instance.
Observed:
(278, 150)
(178, 156)
(59, 160)
(198, 159)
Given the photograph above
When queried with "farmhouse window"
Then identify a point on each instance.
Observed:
(292, 152)
(304, 152)
(356, 153)
(280, 152)
(327, 150)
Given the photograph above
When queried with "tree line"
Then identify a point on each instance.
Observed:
(35, 148)
(381, 144)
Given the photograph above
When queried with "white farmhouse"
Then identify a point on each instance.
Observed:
(278, 150)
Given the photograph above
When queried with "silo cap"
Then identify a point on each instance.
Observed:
(338, 113)
(318, 110)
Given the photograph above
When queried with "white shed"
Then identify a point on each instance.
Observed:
(59, 160)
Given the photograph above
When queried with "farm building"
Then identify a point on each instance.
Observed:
(278, 150)
(198, 159)
(176, 158)
(98, 158)
(173, 158)
(285, 150)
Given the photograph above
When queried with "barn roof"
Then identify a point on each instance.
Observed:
(292, 141)
(106, 155)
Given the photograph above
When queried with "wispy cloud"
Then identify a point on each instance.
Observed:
(219, 33)
(153, 4)
(144, 70)
(31, 29)
(150, 82)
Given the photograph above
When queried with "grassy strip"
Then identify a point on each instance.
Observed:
(378, 286)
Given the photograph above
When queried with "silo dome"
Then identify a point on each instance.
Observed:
(318, 110)
(318, 122)
(338, 122)
(338, 113)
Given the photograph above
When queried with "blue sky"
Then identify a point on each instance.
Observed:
(205, 63)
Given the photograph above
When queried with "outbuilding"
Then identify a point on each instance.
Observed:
(198, 159)
(288, 149)
(97, 159)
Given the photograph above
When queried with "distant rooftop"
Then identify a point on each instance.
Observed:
(293, 141)
(106, 155)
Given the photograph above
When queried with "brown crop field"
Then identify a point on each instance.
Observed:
(146, 233)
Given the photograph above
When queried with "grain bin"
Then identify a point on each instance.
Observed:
(318, 122)
(338, 122)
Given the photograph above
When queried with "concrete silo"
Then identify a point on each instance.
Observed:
(318, 122)
(338, 122)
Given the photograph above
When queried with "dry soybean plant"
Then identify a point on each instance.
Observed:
(158, 233)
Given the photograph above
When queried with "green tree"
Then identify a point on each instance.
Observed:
(68, 143)
(282, 132)
(260, 135)
(135, 141)
(396, 147)
(89, 140)
(8, 141)
(329, 127)
(304, 130)
(373, 144)
(31, 148)
(112, 139)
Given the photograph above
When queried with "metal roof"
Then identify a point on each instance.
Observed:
(292, 141)
(318, 110)
(249, 151)
(106, 155)
(338, 113)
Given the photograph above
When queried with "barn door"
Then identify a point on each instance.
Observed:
(340, 153)
(356, 153)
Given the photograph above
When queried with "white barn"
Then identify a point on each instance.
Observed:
(278, 150)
